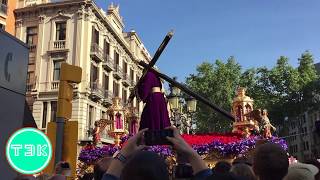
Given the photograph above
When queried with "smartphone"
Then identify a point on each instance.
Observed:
(158, 137)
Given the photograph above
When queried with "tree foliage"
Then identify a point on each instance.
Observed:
(284, 90)
(217, 82)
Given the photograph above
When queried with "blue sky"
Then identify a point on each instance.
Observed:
(255, 32)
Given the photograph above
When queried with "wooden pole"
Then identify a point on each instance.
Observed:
(190, 92)
(152, 63)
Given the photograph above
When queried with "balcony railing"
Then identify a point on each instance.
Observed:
(32, 60)
(108, 95)
(32, 47)
(59, 45)
(125, 80)
(117, 71)
(96, 91)
(3, 8)
(30, 87)
(108, 63)
(96, 52)
(55, 85)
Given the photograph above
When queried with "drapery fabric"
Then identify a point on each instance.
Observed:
(119, 123)
(133, 127)
(155, 114)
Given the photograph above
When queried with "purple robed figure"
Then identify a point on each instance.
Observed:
(133, 127)
(118, 121)
(155, 113)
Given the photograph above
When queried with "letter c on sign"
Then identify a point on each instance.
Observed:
(6, 66)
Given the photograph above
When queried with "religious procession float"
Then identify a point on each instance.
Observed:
(249, 127)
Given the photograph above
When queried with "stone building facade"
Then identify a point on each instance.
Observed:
(80, 33)
(303, 140)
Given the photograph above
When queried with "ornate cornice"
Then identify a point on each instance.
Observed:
(41, 19)
(80, 12)
(19, 23)
(61, 15)
(88, 14)
(98, 24)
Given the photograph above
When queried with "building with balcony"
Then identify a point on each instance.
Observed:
(79, 33)
(303, 140)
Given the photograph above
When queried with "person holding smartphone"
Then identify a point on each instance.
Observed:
(135, 144)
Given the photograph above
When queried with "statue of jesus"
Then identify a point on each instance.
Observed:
(155, 113)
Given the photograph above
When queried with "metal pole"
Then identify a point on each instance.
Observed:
(59, 139)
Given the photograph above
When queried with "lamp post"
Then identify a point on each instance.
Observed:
(191, 109)
(173, 99)
(182, 109)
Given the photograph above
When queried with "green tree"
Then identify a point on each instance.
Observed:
(307, 70)
(217, 82)
(284, 81)
(284, 90)
(308, 86)
(257, 83)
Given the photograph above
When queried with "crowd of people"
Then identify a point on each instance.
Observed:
(268, 162)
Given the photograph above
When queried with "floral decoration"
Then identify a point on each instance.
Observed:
(225, 144)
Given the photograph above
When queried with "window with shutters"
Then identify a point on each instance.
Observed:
(56, 69)
(53, 110)
(61, 31)
(32, 36)
(44, 115)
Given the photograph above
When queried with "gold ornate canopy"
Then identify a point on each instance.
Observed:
(117, 113)
(242, 105)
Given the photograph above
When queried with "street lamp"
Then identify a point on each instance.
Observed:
(191, 104)
(173, 101)
(182, 120)
(191, 109)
